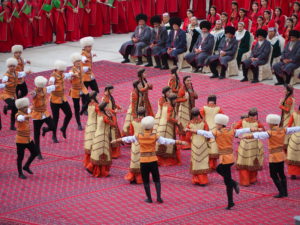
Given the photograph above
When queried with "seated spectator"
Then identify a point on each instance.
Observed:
(290, 59)
(296, 22)
(234, 13)
(289, 25)
(224, 20)
(264, 5)
(159, 37)
(187, 20)
(258, 25)
(176, 43)
(227, 50)
(139, 40)
(243, 37)
(218, 33)
(259, 56)
(212, 16)
(275, 42)
(243, 18)
(279, 20)
(165, 21)
(296, 8)
(194, 31)
(202, 48)
(268, 21)
(254, 13)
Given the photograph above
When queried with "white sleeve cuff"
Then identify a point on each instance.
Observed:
(50, 88)
(24, 61)
(21, 74)
(4, 79)
(291, 130)
(2, 85)
(207, 134)
(239, 132)
(83, 59)
(68, 75)
(261, 135)
(21, 118)
(29, 110)
(129, 139)
(166, 141)
(85, 69)
(51, 80)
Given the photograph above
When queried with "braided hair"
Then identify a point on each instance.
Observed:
(188, 90)
(174, 71)
(140, 76)
(112, 99)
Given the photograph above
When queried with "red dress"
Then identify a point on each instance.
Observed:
(5, 31)
(27, 23)
(183, 6)
(213, 19)
(39, 23)
(46, 24)
(253, 17)
(263, 9)
(95, 21)
(17, 26)
(72, 18)
(199, 8)
(59, 24)
(186, 23)
(122, 25)
(280, 21)
(85, 31)
(106, 18)
(234, 16)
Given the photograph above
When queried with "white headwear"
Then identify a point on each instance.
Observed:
(76, 57)
(221, 119)
(22, 102)
(40, 81)
(86, 41)
(11, 62)
(273, 119)
(147, 122)
(17, 48)
(60, 65)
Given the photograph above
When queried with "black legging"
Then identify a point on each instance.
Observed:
(278, 177)
(146, 169)
(92, 84)
(225, 171)
(11, 106)
(37, 124)
(76, 103)
(65, 107)
(21, 90)
(21, 150)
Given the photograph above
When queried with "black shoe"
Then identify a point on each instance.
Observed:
(5, 110)
(40, 157)
(13, 127)
(22, 176)
(27, 170)
(148, 200)
(221, 77)
(278, 196)
(230, 205)
(196, 70)
(157, 67)
(159, 200)
(214, 76)
(164, 68)
(245, 79)
(133, 182)
(279, 83)
(138, 63)
(293, 177)
(236, 187)
(64, 134)
(54, 139)
(149, 65)
(254, 81)
(125, 61)
(80, 127)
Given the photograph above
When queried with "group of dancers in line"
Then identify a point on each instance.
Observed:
(153, 138)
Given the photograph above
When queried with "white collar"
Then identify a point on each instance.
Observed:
(239, 35)
(273, 40)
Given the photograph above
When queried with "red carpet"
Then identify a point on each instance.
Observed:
(62, 192)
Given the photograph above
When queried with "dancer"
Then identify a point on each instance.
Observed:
(101, 159)
(168, 155)
(147, 141)
(40, 114)
(78, 89)
(134, 175)
(199, 154)
(58, 99)
(250, 152)
(23, 139)
(293, 151)
(21, 90)
(208, 113)
(115, 131)
(10, 80)
(91, 124)
(276, 136)
(224, 138)
(174, 82)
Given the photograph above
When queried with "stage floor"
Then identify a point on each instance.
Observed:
(62, 192)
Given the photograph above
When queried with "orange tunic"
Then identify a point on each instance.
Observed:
(23, 129)
(276, 144)
(147, 142)
(89, 63)
(20, 68)
(58, 96)
(77, 86)
(39, 103)
(224, 138)
(9, 90)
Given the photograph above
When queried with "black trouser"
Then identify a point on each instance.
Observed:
(93, 85)
(213, 68)
(65, 107)
(76, 103)
(11, 106)
(255, 71)
(21, 150)
(37, 124)
(21, 90)
(127, 51)
(225, 171)
(278, 176)
(146, 169)
(284, 78)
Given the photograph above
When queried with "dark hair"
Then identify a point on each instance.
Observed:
(112, 99)
(267, 11)
(295, 15)
(141, 111)
(290, 19)
(234, 3)
(214, 7)
(279, 10)
(212, 98)
(253, 112)
(174, 71)
(172, 97)
(187, 89)
(224, 14)
(164, 91)
(255, 3)
(195, 113)
(290, 90)
(142, 80)
(191, 11)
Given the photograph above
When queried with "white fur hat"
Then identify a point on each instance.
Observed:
(60, 65)
(17, 48)
(22, 102)
(40, 81)
(86, 41)
(11, 62)
(221, 119)
(148, 122)
(273, 119)
(76, 57)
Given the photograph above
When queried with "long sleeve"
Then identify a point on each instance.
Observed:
(4, 79)
(291, 130)
(207, 134)
(261, 135)
(21, 118)
(50, 88)
(288, 105)
(68, 75)
(239, 132)
(52, 80)
(21, 74)
(265, 54)
(2, 85)
(208, 47)
(166, 141)
(129, 139)
(291, 121)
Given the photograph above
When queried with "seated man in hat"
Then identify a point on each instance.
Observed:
(290, 59)
(159, 37)
(259, 56)
(202, 48)
(227, 50)
(139, 40)
(176, 43)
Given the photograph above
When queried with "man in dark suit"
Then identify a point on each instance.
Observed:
(290, 59)
(227, 49)
(139, 40)
(159, 37)
(259, 56)
(202, 48)
(176, 43)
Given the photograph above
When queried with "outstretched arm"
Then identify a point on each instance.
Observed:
(207, 134)
(291, 130)
(128, 139)
(168, 141)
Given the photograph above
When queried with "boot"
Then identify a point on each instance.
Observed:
(245, 74)
(229, 191)
(20, 171)
(64, 132)
(5, 110)
(223, 72)
(149, 60)
(284, 188)
(45, 130)
(158, 192)
(54, 138)
(236, 187)
(157, 61)
(22, 176)
(279, 188)
(164, 59)
(26, 168)
(140, 61)
(40, 157)
(79, 127)
(148, 193)
(255, 75)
